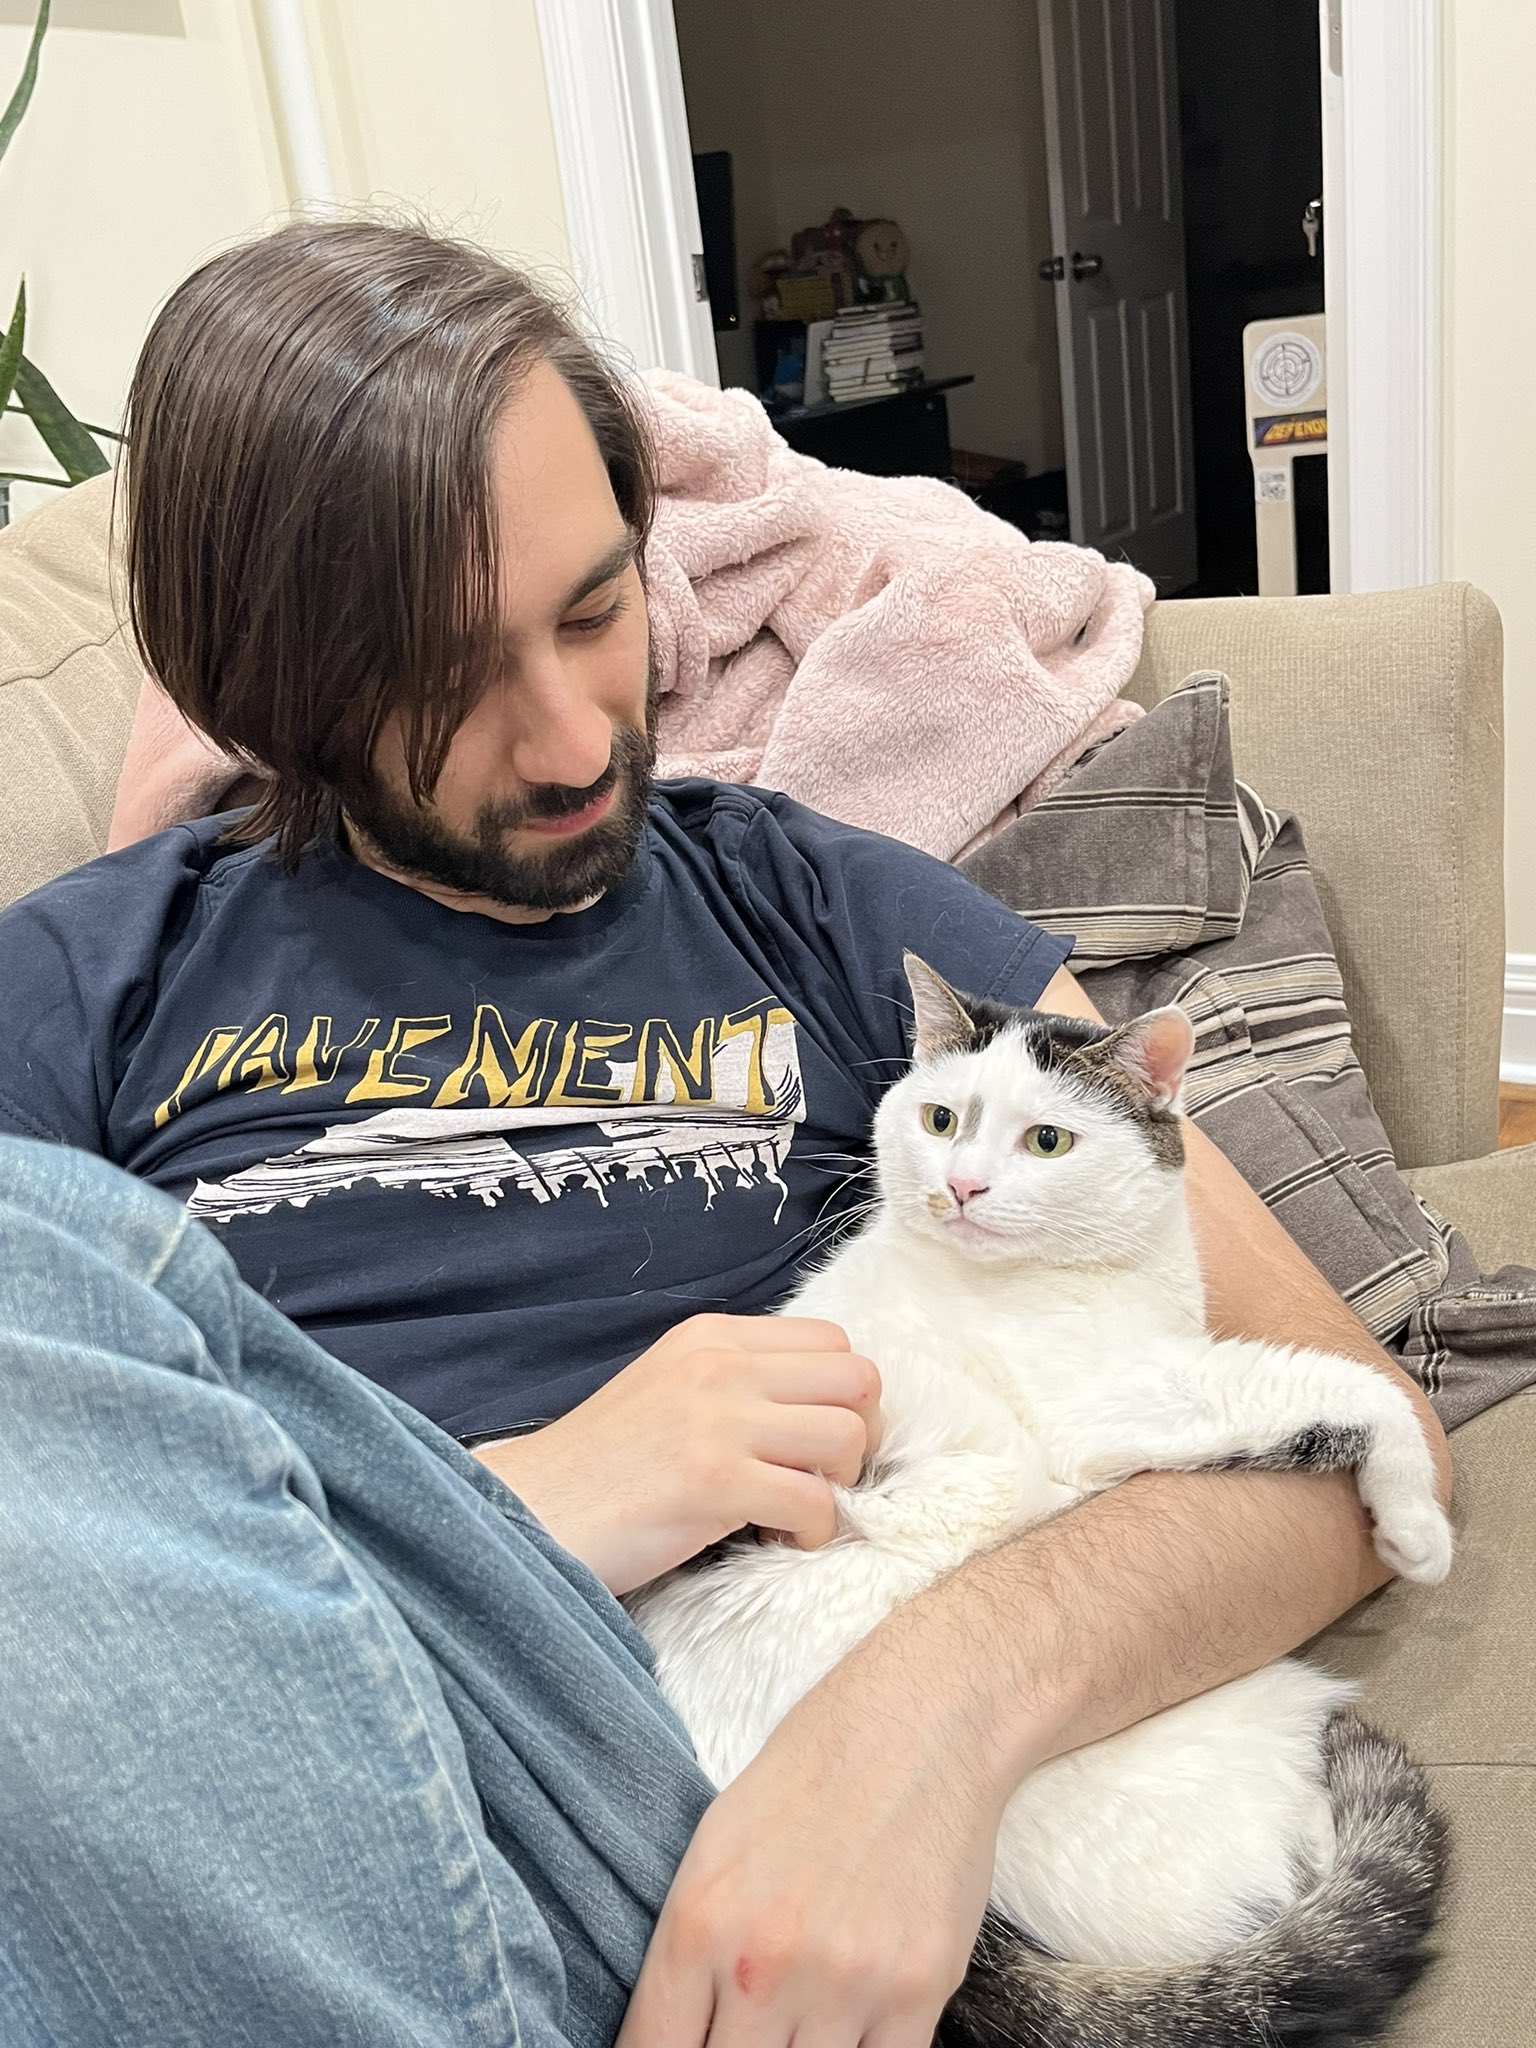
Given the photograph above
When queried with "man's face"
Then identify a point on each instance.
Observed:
(542, 799)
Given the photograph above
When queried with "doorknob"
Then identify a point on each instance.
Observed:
(1085, 266)
(1051, 269)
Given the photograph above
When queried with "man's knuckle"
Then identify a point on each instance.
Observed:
(912, 1989)
(844, 1964)
(850, 1433)
(814, 1491)
(765, 1960)
(682, 1337)
(867, 1384)
(695, 1927)
(687, 1937)
(712, 1365)
(768, 1967)
(717, 1475)
(821, 1335)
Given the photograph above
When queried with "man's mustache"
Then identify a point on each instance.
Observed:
(633, 752)
(557, 799)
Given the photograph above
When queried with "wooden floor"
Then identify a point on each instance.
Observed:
(1517, 1116)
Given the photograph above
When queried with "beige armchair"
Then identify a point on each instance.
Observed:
(1379, 720)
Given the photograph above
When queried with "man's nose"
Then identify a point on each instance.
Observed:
(561, 735)
(962, 1187)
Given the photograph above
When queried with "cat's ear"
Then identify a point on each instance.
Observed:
(1155, 1051)
(941, 1022)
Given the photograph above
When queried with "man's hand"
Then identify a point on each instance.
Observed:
(831, 1895)
(728, 1420)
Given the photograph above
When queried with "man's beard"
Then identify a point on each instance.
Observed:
(572, 872)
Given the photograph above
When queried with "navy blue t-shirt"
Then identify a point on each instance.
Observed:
(488, 1164)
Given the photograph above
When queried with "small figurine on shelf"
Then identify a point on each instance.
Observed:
(823, 275)
(881, 251)
(763, 280)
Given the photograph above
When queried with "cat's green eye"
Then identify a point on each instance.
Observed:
(938, 1121)
(1048, 1141)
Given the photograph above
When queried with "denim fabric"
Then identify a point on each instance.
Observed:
(309, 1734)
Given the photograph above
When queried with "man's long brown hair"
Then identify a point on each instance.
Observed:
(311, 527)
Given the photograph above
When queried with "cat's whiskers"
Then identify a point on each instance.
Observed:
(860, 1209)
(818, 1233)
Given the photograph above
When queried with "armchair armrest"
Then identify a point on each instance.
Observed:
(1452, 1670)
(1379, 721)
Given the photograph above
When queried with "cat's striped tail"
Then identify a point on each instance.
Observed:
(1329, 1969)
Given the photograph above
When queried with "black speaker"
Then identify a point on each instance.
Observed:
(717, 223)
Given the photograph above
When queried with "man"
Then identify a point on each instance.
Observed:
(518, 1086)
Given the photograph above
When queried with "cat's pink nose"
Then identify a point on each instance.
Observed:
(962, 1189)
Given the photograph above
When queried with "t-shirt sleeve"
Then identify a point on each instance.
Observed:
(847, 904)
(78, 961)
(49, 1085)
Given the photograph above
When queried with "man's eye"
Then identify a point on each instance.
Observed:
(600, 619)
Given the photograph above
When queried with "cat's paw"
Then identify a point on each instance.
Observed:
(1092, 1474)
(1415, 1541)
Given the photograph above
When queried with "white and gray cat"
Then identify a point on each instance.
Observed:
(1253, 1865)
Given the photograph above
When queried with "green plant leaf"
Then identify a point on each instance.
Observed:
(26, 476)
(10, 344)
(68, 443)
(90, 426)
(10, 120)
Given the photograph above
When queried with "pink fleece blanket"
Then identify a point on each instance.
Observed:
(878, 648)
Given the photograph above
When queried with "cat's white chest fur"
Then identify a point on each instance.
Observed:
(998, 1361)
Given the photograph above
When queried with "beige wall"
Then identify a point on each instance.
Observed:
(929, 114)
(443, 108)
(151, 142)
(1490, 389)
(147, 145)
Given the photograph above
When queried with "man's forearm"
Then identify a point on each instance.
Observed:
(1128, 1603)
(1258, 1283)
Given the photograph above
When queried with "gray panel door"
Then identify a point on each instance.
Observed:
(1117, 217)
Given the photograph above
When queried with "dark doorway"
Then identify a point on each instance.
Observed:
(1250, 104)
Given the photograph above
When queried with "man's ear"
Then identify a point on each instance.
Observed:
(941, 1022)
(1155, 1051)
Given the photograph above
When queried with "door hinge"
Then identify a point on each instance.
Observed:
(1336, 37)
(700, 288)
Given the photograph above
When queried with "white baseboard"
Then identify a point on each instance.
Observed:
(1517, 1060)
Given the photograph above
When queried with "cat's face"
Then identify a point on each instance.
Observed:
(1019, 1135)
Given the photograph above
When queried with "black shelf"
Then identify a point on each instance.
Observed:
(890, 433)
(827, 408)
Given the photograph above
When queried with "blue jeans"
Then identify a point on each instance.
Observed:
(309, 1733)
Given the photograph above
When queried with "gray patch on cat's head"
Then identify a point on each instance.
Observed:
(946, 1021)
(1099, 1068)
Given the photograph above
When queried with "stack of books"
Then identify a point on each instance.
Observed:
(871, 349)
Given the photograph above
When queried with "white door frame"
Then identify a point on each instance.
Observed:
(621, 133)
(621, 137)
(1382, 215)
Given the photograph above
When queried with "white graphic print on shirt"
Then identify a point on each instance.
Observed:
(734, 1137)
